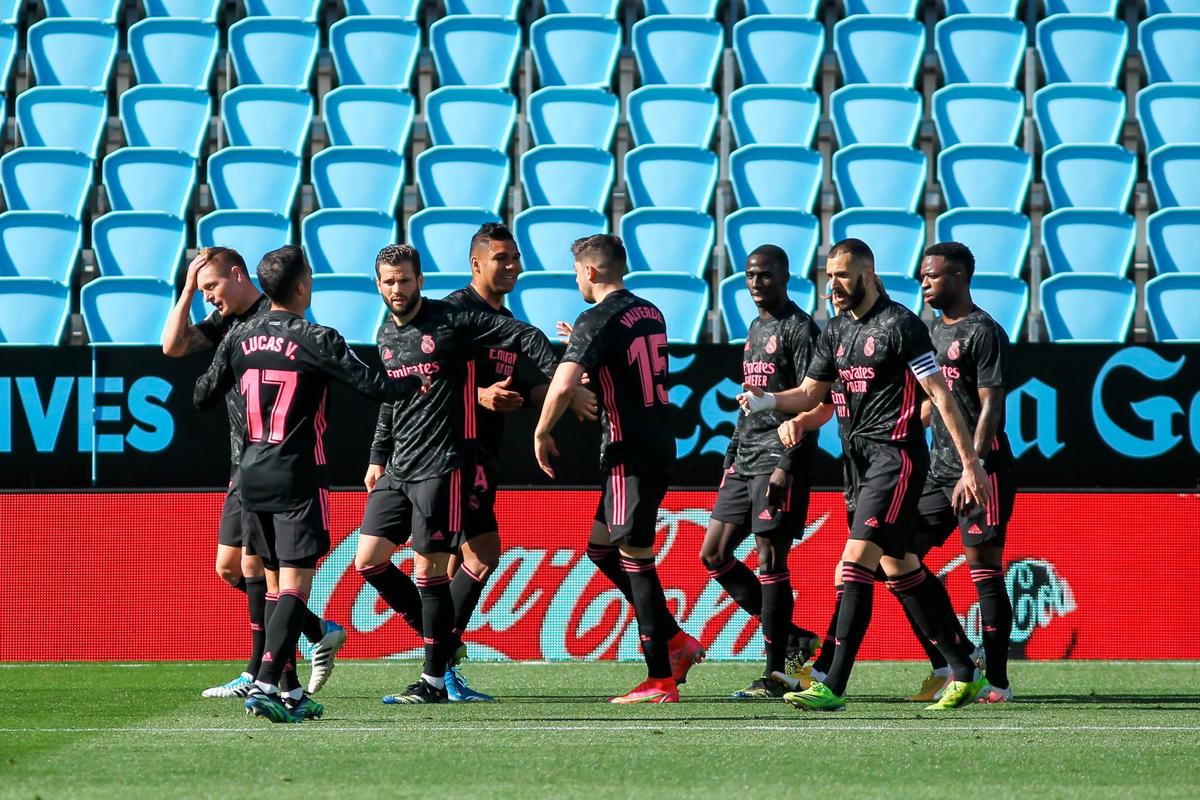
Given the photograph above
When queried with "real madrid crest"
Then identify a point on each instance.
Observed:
(869, 347)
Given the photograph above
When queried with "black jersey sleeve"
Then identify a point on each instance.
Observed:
(822, 366)
(587, 343)
(731, 450)
(485, 330)
(217, 380)
(335, 358)
(383, 443)
(991, 357)
(912, 342)
(214, 326)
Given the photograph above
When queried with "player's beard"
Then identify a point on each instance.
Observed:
(404, 304)
(855, 296)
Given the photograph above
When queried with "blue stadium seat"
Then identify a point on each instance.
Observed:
(575, 49)
(545, 298)
(668, 240)
(72, 52)
(180, 52)
(567, 115)
(1082, 48)
(796, 232)
(439, 284)
(879, 176)
(274, 51)
(471, 115)
(605, 8)
(139, 244)
(1174, 238)
(985, 176)
(879, 49)
(46, 179)
(149, 179)
(738, 310)
(345, 241)
(1089, 175)
(103, 10)
(1007, 8)
(1107, 7)
(1088, 240)
(125, 310)
(903, 8)
(774, 114)
(1080, 307)
(252, 233)
(496, 8)
(977, 48)
(358, 44)
(368, 116)
(405, 9)
(1172, 7)
(544, 235)
(672, 115)
(778, 49)
(965, 113)
(1168, 46)
(905, 291)
(1169, 113)
(350, 304)
(682, 298)
(8, 49)
(998, 239)
(307, 10)
(166, 116)
(1175, 175)
(803, 8)
(465, 177)
(254, 179)
(267, 116)
(681, 51)
(1004, 298)
(443, 235)
(695, 8)
(776, 176)
(1078, 113)
(39, 244)
(566, 175)
(358, 177)
(10, 11)
(671, 176)
(895, 237)
(870, 114)
(62, 116)
(1171, 303)
(33, 311)
(475, 51)
(203, 10)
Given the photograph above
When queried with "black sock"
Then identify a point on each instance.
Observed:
(936, 584)
(996, 615)
(465, 589)
(650, 605)
(437, 618)
(741, 584)
(858, 597)
(829, 647)
(283, 631)
(778, 603)
(312, 627)
(288, 680)
(607, 558)
(930, 608)
(240, 584)
(256, 601)
(936, 660)
(397, 590)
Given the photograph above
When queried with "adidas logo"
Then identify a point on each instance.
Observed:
(437, 536)
(267, 656)
(765, 514)
(974, 529)
(872, 523)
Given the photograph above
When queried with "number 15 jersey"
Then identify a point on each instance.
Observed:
(621, 342)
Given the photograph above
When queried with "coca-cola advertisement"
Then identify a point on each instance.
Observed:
(130, 577)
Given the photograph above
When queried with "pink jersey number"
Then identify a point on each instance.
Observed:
(251, 382)
(649, 353)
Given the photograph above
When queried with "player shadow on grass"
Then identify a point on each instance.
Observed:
(1118, 700)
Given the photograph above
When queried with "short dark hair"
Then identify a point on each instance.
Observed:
(773, 254)
(954, 253)
(281, 270)
(490, 232)
(857, 249)
(224, 259)
(605, 251)
(396, 254)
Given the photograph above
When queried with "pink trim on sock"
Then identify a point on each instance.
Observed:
(471, 574)
(856, 573)
(295, 593)
(375, 570)
(716, 572)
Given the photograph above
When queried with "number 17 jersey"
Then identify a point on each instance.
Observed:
(621, 342)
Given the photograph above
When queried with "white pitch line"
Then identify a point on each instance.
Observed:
(674, 726)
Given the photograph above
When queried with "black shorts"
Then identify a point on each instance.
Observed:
(629, 506)
(231, 533)
(427, 513)
(742, 501)
(936, 520)
(883, 487)
(479, 515)
(295, 538)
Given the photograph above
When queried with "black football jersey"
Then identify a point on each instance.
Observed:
(621, 342)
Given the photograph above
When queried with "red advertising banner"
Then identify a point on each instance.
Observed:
(130, 577)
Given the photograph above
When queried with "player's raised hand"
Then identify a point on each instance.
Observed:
(543, 449)
(193, 269)
(791, 432)
(564, 330)
(753, 399)
(499, 397)
(585, 405)
(374, 473)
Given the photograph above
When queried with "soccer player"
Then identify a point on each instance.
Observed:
(221, 274)
(765, 486)
(621, 344)
(882, 354)
(281, 366)
(495, 386)
(972, 350)
(415, 477)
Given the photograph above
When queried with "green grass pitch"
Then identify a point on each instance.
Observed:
(1084, 729)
